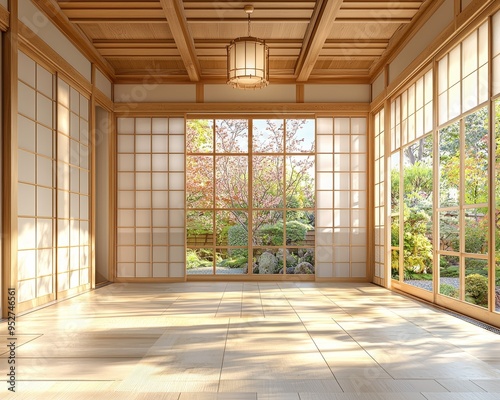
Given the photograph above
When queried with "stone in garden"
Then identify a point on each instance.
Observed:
(304, 268)
(290, 260)
(245, 268)
(267, 263)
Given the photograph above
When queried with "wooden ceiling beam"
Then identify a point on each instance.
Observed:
(317, 32)
(53, 11)
(174, 12)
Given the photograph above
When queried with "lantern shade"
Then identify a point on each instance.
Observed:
(248, 63)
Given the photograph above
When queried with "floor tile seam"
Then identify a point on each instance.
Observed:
(221, 298)
(164, 313)
(223, 355)
(362, 347)
(320, 352)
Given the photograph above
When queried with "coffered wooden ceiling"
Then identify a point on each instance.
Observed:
(181, 41)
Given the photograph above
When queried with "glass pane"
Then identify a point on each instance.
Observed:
(267, 228)
(299, 181)
(476, 230)
(199, 136)
(199, 183)
(395, 264)
(418, 210)
(476, 282)
(449, 276)
(298, 233)
(266, 261)
(268, 181)
(296, 261)
(268, 136)
(231, 136)
(300, 135)
(232, 229)
(231, 186)
(199, 261)
(449, 230)
(449, 165)
(231, 261)
(476, 157)
(200, 228)
(395, 182)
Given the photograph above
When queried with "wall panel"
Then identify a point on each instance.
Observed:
(36, 181)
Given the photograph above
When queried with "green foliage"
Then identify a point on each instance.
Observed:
(418, 183)
(417, 248)
(199, 223)
(233, 262)
(195, 260)
(296, 231)
(450, 272)
(476, 235)
(476, 289)
(448, 290)
(271, 234)
(237, 235)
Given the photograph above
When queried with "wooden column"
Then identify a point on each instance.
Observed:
(9, 157)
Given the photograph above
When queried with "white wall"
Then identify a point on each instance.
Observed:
(38, 22)
(378, 85)
(223, 93)
(340, 93)
(103, 84)
(154, 92)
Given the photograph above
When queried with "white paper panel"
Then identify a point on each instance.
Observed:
(44, 141)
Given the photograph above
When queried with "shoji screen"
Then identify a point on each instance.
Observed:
(151, 193)
(341, 221)
(36, 214)
(380, 195)
(73, 164)
(496, 54)
(463, 75)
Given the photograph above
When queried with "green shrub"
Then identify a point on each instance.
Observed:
(237, 235)
(448, 290)
(476, 289)
(450, 272)
(271, 234)
(296, 231)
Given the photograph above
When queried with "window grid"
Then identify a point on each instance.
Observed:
(496, 54)
(248, 148)
(379, 158)
(73, 182)
(412, 112)
(463, 76)
(36, 183)
(150, 215)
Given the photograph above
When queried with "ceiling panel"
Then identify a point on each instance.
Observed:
(186, 40)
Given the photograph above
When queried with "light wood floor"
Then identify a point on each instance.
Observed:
(255, 341)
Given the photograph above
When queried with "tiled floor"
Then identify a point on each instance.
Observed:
(255, 341)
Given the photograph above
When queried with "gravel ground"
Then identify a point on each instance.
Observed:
(218, 271)
(427, 285)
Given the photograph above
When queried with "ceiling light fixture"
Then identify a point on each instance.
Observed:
(248, 61)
